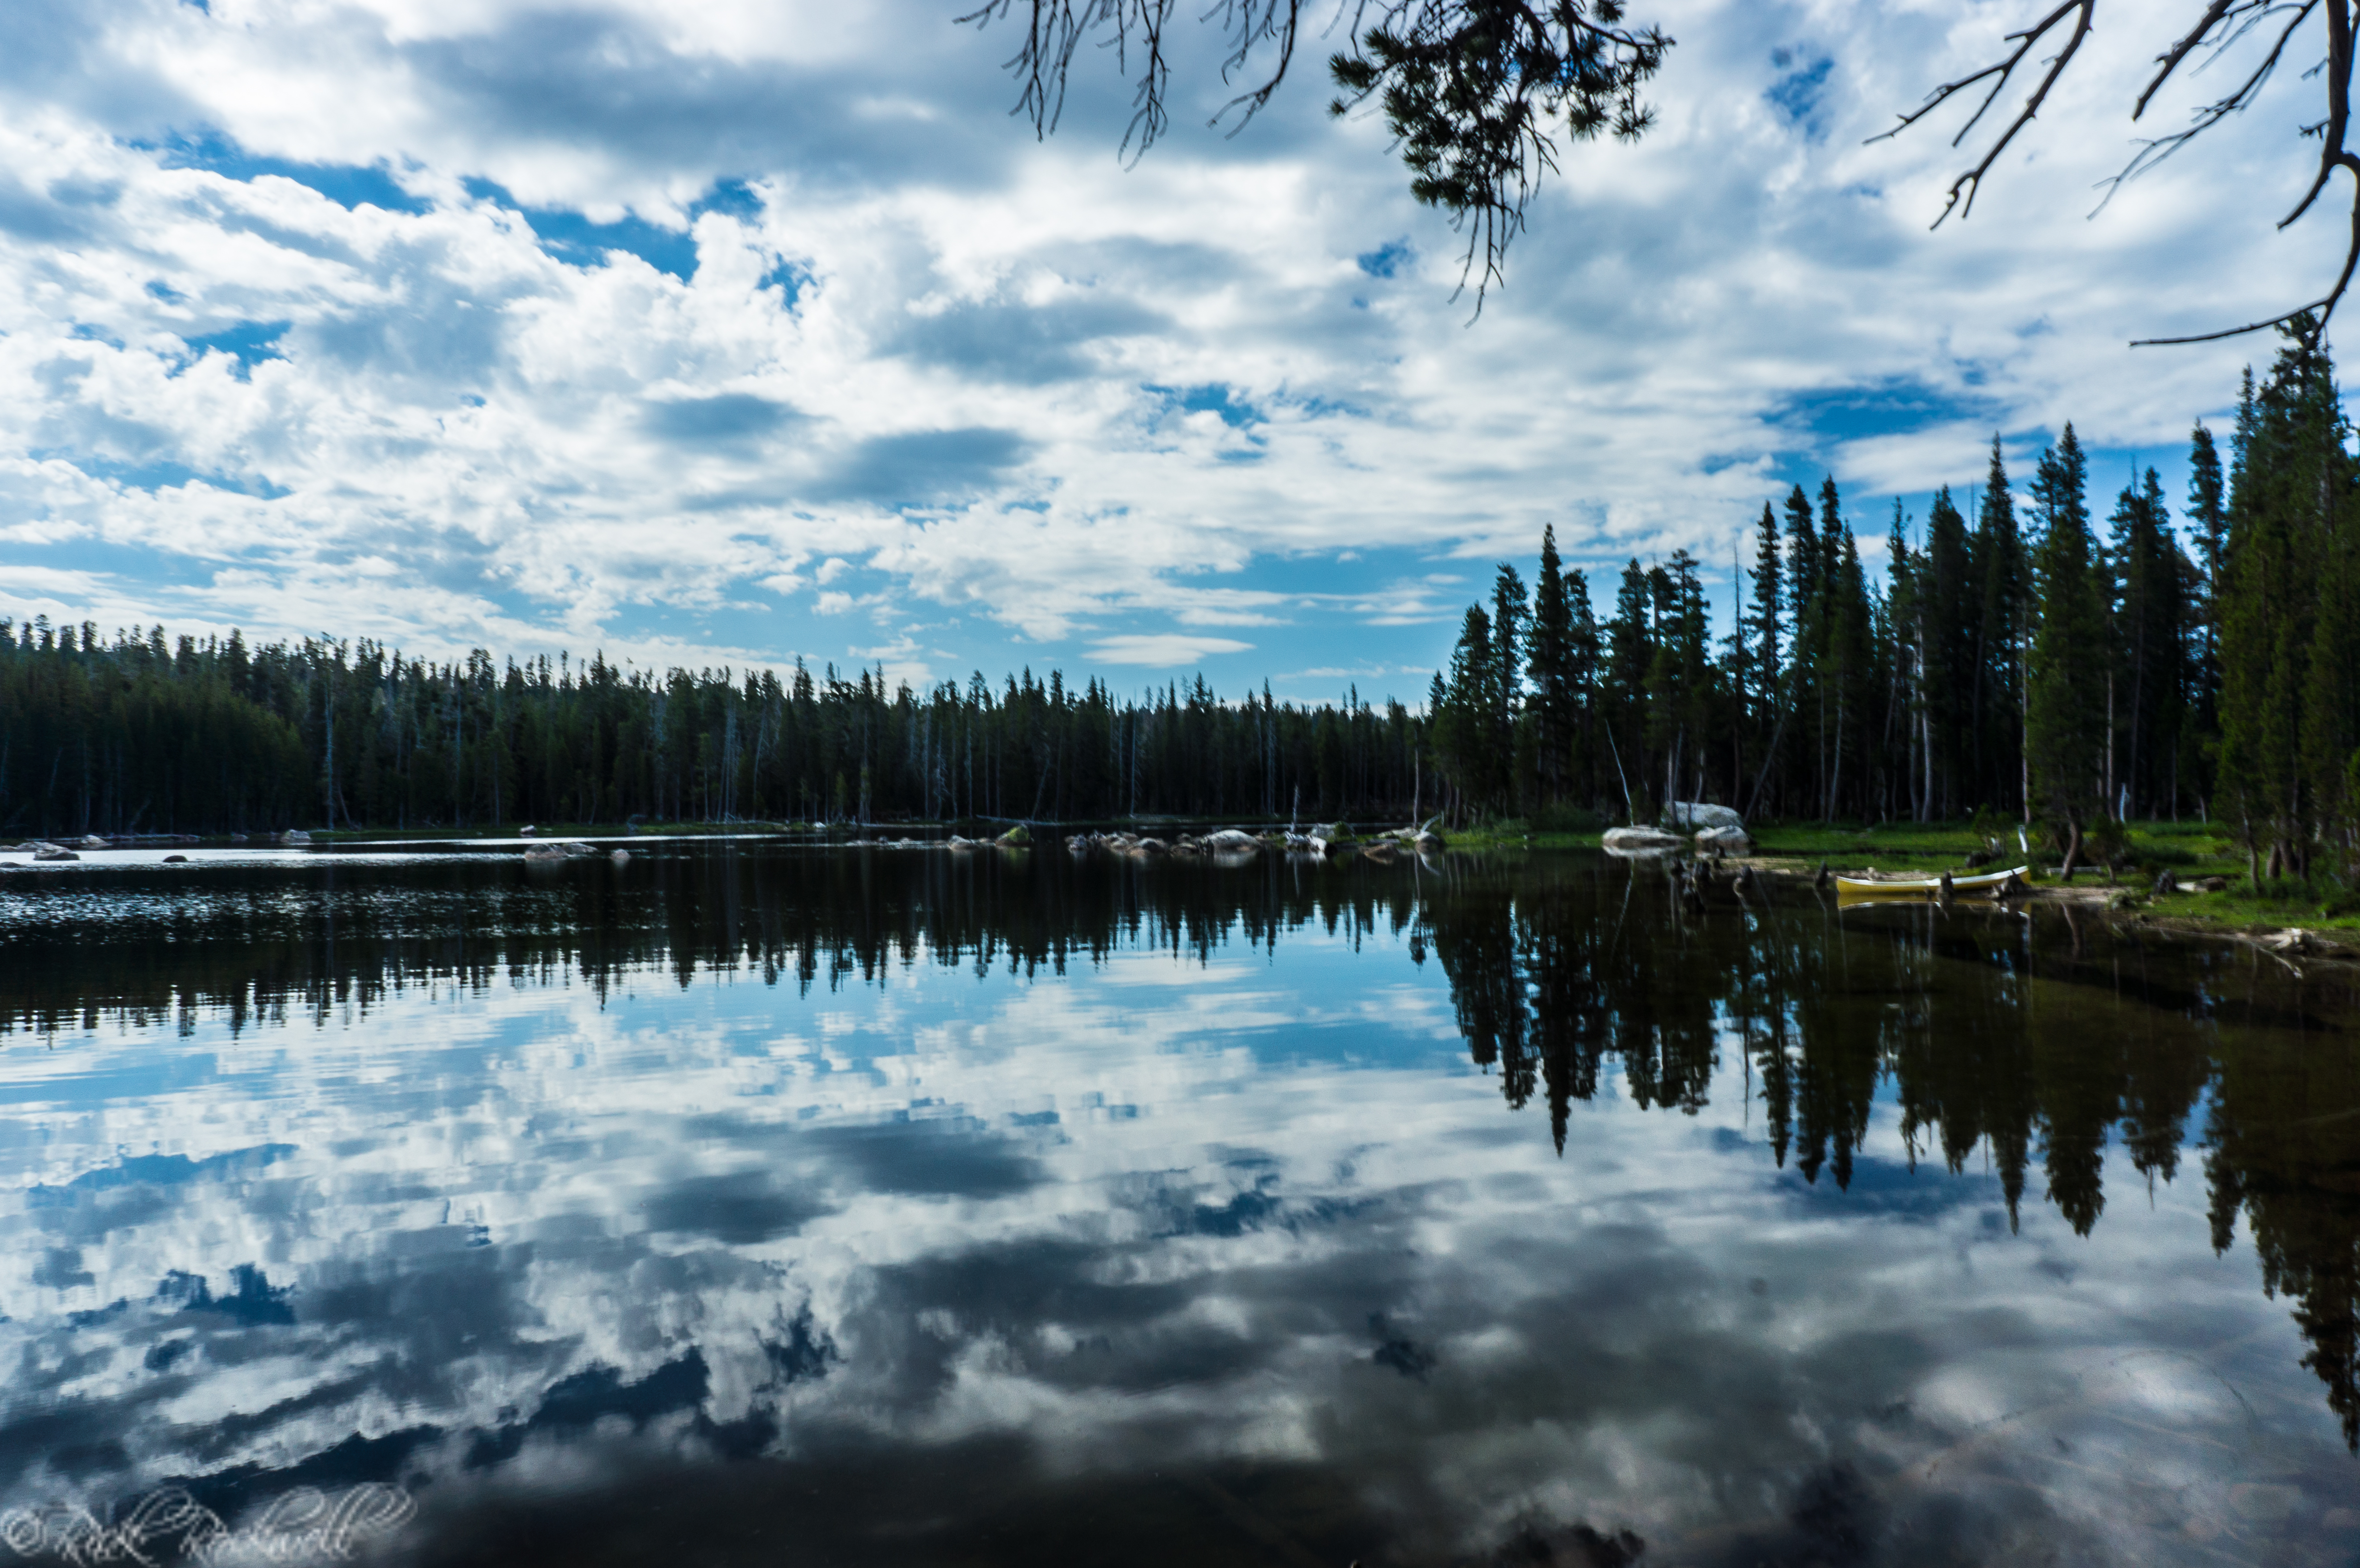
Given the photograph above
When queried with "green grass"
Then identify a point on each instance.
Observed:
(2192, 851)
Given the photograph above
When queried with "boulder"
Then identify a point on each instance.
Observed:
(1231, 840)
(1640, 840)
(53, 852)
(1015, 837)
(1694, 814)
(91, 841)
(1721, 842)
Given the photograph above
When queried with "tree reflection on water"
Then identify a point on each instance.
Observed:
(1997, 1044)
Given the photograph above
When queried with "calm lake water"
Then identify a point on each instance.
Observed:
(760, 1202)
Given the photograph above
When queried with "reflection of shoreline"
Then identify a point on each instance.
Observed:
(700, 1223)
(305, 1525)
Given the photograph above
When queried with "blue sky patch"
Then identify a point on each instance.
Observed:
(1797, 94)
(789, 278)
(1215, 397)
(164, 475)
(732, 197)
(248, 343)
(349, 186)
(577, 241)
(1891, 407)
(1386, 260)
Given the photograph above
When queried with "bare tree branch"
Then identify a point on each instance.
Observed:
(1968, 183)
(2169, 61)
(2155, 151)
(2222, 25)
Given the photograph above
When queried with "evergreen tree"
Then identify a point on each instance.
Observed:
(1947, 606)
(2285, 610)
(1549, 658)
(1510, 611)
(2208, 511)
(1630, 651)
(2150, 674)
(2003, 623)
(1806, 600)
(2065, 734)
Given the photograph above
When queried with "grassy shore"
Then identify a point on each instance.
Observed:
(2192, 851)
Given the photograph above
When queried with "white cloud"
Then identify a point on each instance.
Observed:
(1163, 650)
(1011, 377)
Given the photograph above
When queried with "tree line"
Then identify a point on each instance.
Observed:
(2016, 664)
(132, 734)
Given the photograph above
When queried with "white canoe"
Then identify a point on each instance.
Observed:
(1926, 886)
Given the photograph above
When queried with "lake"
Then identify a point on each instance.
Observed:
(754, 1200)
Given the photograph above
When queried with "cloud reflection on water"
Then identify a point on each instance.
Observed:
(1196, 1256)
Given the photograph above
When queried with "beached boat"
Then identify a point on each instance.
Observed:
(1921, 888)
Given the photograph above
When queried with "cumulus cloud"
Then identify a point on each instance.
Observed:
(602, 324)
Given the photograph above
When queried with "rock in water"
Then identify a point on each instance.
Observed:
(1721, 842)
(1640, 840)
(1693, 814)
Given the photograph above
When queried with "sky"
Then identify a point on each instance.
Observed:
(727, 335)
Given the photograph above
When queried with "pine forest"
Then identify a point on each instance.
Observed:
(2019, 660)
